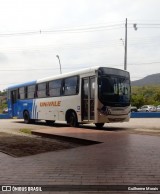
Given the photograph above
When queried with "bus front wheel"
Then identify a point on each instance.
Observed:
(72, 119)
(26, 117)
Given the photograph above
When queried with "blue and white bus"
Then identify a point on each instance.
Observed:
(96, 95)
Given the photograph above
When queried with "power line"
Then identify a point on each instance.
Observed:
(148, 63)
(83, 29)
(77, 29)
(66, 30)
(76, 46)
(55, 69)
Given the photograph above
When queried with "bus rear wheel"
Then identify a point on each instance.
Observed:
(26, 117)
(72, 119)
(99, 125)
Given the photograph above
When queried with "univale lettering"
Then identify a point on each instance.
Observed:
(52, 103)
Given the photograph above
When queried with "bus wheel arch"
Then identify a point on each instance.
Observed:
(71, 118)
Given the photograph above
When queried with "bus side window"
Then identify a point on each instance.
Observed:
(14, 96)
(55, 87)
(42, 90)
(70, 85)
(31, 91)
(22, 93)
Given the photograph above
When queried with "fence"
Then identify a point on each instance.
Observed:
(145, 115)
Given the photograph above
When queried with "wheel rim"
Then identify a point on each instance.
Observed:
(26, 117)
(72, 120)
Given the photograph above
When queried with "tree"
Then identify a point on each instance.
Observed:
(145, 95)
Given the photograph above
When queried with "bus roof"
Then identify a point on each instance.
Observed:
(86, 70)
(21, 85)
(82, 71)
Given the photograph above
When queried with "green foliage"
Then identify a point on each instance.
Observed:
(143, 95)
(2, 106)
(27, 131)
(4, 93)
(3, 100)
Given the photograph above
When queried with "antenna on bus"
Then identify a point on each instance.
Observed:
(59, 63)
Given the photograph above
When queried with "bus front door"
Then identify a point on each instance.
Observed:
(88, 98)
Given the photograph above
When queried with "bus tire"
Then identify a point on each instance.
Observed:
(72, 119)
(26, 117)
(50, 122)
(99, 125)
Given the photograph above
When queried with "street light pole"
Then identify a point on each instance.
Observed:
(59, 63)
(125, 47)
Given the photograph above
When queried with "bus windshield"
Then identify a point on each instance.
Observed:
(114, 90)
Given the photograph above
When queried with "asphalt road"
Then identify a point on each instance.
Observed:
(134, 124)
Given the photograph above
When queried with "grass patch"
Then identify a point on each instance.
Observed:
(27, 131)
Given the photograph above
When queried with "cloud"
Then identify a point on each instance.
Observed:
(3, 59)
(76, 49)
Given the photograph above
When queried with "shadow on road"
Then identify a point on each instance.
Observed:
(81, 126)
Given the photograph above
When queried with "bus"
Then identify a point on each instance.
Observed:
(96, 95)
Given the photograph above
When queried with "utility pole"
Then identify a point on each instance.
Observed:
(125, 47)
(125, 44)
(59, 63)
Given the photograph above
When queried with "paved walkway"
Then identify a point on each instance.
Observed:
(121, 159)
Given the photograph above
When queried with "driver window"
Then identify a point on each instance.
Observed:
(107, 86)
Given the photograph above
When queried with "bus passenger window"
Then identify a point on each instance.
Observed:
(31, 91)
(41, 92)
(71, 85)
(22, 93)
(55, 88)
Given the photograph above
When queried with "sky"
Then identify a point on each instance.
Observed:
(83, 33)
